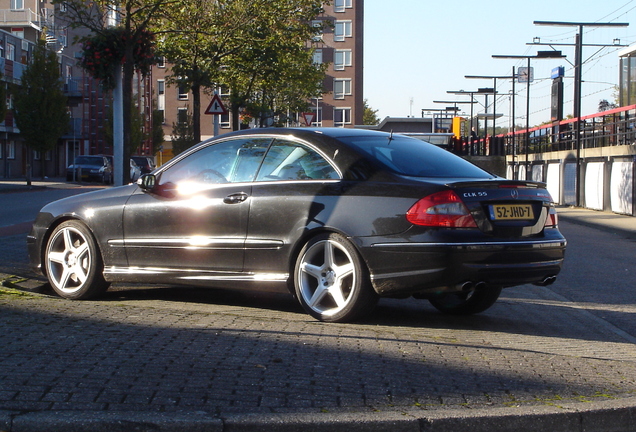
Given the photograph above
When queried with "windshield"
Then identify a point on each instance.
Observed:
(413, 157)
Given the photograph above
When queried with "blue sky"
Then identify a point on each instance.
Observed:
(417, 50)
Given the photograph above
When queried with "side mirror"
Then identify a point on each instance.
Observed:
(147, 182)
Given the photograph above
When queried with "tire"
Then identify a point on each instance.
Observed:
(461, 303)
(73, 262)
(331, 281)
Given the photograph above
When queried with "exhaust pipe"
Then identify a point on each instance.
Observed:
(549, 280)
(480, 285)
(467, 286)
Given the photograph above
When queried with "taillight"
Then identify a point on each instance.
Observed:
(441, 209)
(553, 219)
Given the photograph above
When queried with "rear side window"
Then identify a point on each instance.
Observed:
(413, 157)
(288, 160)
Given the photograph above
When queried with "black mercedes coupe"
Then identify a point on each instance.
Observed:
(338, 217)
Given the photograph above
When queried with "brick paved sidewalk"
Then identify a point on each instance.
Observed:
(220, 353)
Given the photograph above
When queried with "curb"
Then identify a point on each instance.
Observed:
(614, 415)
(609, 222)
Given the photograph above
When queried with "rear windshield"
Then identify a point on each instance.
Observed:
(413, 157)
(89, 160)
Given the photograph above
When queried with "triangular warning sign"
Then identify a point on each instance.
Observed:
(216, 106)
(309, 118)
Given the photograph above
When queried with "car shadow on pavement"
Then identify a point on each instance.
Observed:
(167, 349)
(522, 311)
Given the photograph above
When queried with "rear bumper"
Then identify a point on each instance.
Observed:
(399, 268)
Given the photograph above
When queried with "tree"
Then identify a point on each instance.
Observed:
(195, 37)
(156, 134)
(137, 135)
(258, 50)
(604, 105)
(274, 84)
(274, 73)
(129, 44)
(369, 116)
(39, 104)
(183, 133)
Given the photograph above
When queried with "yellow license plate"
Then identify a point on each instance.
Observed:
(511, 212)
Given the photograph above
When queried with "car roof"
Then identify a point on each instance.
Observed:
(331, 132)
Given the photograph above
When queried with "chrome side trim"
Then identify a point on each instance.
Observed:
(188, 274)
(260, 277)
(197, 242)
(405, 274)
(478, 245)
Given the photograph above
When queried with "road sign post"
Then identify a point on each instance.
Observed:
(216, 108)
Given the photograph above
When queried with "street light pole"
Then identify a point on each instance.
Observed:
(472, 101)
(494, 103)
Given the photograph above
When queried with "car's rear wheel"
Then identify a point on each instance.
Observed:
(331, 281)
(73, 262)
(466, 303)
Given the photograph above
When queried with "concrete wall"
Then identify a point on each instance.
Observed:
(606, 175)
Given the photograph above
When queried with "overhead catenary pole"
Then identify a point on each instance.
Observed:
(539, 55)
(578, 73)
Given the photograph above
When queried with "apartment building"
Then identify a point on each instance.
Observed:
(22, 22)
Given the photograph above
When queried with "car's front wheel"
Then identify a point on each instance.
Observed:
(331, 281)
(466, 303)
(73, 262)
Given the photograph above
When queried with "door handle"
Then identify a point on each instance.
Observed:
(236, 198)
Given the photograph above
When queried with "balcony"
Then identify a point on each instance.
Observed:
(74, 129)
(73, 87)
(19, 18)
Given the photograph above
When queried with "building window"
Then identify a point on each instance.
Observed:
(341, 116)
(36, 155)
(161, 99)
(341, 88)
(112, 18)
(63, 36)
(11, 150)
(17, 4)
(223, 91)
(317, 116)
(341, 59)
(317, 56)
(319, 30)
(10, 51)
(224, 121)
(18, 32)
(161, 62)
(182, 116)
(183, 93)
(341, 5)
(342, 30)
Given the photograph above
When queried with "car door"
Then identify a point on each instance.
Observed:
(195, 218)
(296, 189)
